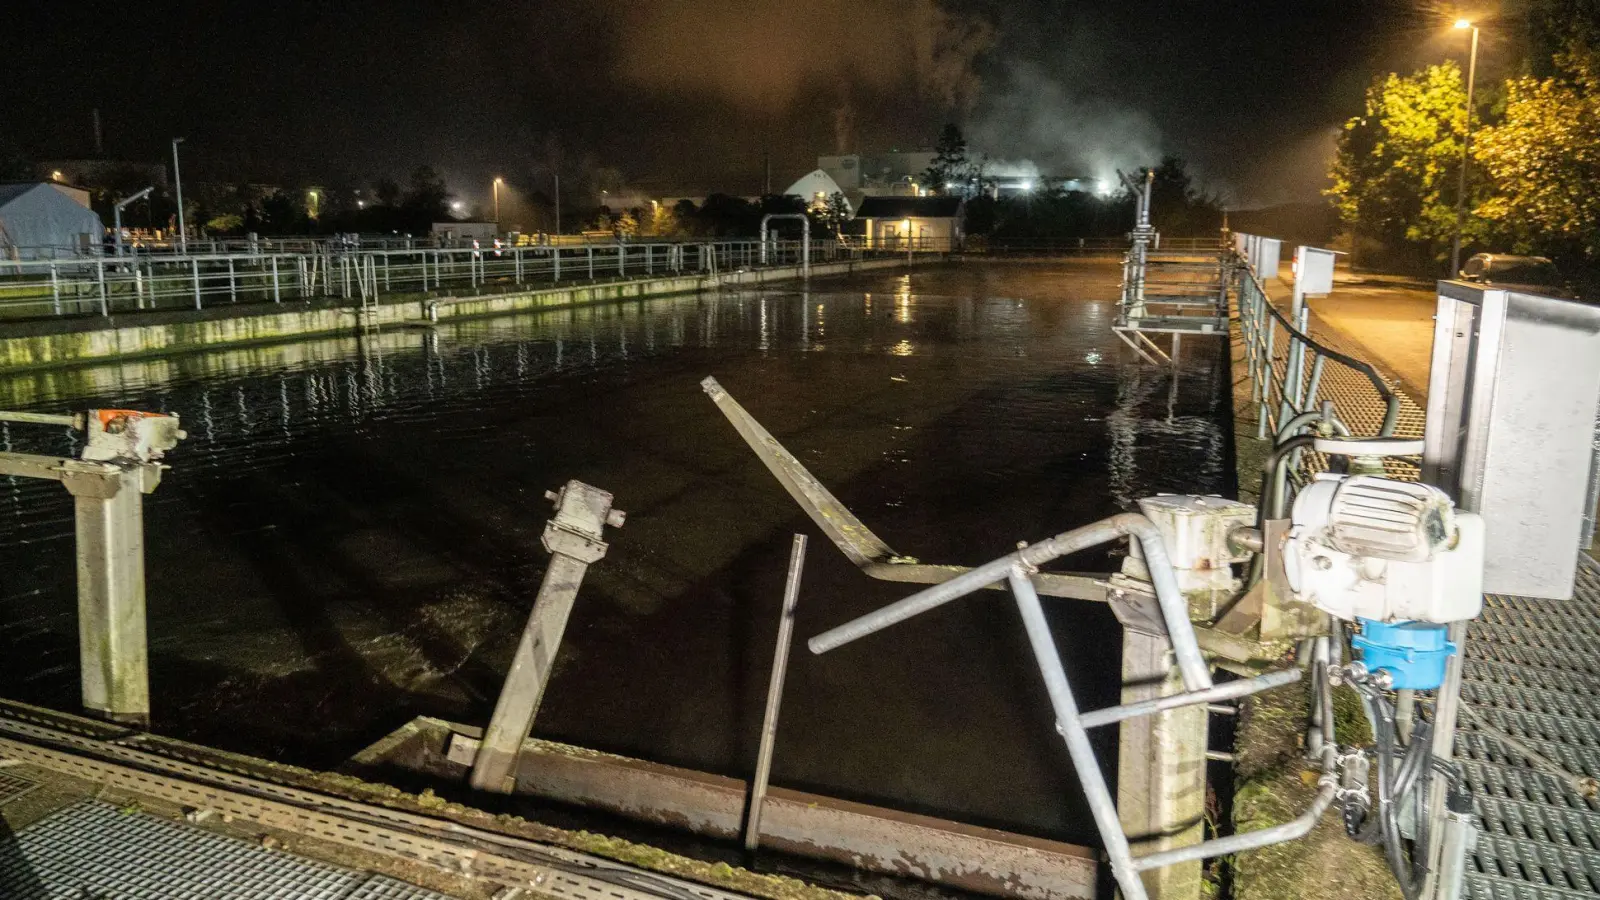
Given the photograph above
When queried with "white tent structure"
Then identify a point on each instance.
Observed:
(39, 222)
(815, 187)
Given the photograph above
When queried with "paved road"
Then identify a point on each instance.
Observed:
(1390, 318)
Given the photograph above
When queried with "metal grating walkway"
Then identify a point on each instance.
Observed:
(93, 849)
(1532, 671)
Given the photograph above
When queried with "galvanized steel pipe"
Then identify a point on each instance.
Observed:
(1174, 608)
(1124, 867)
(1230, 691)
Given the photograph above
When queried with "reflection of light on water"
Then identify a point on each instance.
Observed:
(902, 300)
(904, 348)
(1092, 357)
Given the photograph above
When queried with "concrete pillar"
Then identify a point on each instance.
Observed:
(109, 511)
(1161, 767)
(573, 539)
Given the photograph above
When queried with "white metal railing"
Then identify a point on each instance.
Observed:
(1287, 367)
(208, 276)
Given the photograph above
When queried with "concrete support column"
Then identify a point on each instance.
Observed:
(114, 655)
(1161, 768)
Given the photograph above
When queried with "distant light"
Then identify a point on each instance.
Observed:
(1027, 186)
(455, 205)
(1463, 24)
(1102, 187)
(361, 204)
(949, 184)
(499, 180)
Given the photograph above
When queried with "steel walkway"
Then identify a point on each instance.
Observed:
(93, 849)
(1532, 671)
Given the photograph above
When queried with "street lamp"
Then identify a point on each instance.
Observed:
(497, 182)
(1466, 147)
(313, 205)
(177, 179)
(557, 177)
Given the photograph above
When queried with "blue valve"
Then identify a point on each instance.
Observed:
(1413, 653)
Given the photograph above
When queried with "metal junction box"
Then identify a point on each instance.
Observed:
(1511, 425)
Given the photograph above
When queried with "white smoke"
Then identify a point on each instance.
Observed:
(1033, 117)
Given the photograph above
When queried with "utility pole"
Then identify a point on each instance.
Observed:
(1466, 148)
(183, 237)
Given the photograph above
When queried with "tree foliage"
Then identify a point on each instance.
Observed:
(1544, 160)
(831, 213)
(1177, 205)
(951, 164)
(1396, 170)
(426, 200)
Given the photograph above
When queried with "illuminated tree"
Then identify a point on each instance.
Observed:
(832, 212)
(1544, 160)
(625, 225)
(1395, 174)
(951, 164)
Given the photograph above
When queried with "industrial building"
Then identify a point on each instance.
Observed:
(932, 223)
(40, 221)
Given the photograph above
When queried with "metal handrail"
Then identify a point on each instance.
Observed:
(139, 279)
(1294, 396)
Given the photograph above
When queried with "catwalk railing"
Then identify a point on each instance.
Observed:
(1289, 370)
(110, 284)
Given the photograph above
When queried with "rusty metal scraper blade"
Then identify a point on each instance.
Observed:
(850, 534)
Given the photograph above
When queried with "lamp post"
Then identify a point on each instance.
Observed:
(557, 176)
(1466, 148)
(496, 188)
(177, 179)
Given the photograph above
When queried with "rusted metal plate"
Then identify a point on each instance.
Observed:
(867, 837)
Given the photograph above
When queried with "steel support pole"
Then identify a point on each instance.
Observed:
(573, 538)
(194, 265)
(100, 277)
(109, 511)
(1161, 767)
(780, 666)
(1466, 157)
(1076, 736)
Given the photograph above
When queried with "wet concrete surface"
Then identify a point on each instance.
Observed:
(353, 539)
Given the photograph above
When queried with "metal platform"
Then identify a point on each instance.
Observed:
(94, 849)
(1532, 672)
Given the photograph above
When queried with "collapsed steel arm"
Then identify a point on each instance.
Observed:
(854, 539)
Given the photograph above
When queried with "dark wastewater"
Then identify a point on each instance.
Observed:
(350, 536)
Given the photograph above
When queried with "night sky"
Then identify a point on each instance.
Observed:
(684, 96)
